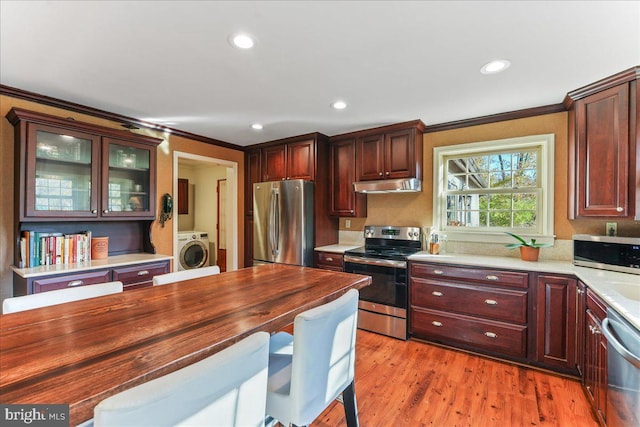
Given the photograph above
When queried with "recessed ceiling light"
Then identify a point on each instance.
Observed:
(339, 105)
(495, 66)
(242, 41)
(256, 126)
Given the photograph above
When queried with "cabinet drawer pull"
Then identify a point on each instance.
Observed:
(438, 271)
(329, 259)
(436, 323)
(491, 302)
(143, 272)
(75, 283)
(619, 209)
(491, 334)
(491, 277)
(437, 293)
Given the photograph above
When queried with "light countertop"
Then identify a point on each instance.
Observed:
(336, 249)
(95, 264)
(620, 290)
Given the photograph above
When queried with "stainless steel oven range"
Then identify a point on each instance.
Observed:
(383, 304)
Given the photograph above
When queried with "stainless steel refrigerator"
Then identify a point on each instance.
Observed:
(283, 222)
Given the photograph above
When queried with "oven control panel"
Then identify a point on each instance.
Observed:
(391, 232)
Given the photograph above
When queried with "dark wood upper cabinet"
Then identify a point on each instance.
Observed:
(370, 157)
(390, 152)
(293, 160)
(274, 163)
(344, 201)
(68, 170)
(183, 196)
(301, 160)
(603, 146)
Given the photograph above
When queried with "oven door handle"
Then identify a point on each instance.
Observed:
(617, 345)
(374, 261)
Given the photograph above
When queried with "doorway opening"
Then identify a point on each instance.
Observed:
(206, 210)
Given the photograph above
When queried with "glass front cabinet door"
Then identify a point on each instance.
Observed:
(64, 175)
(127, 178)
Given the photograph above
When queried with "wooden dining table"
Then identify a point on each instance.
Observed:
(82, 352)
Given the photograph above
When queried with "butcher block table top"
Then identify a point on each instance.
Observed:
(82, 352)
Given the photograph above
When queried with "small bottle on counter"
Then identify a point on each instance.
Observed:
(434, 245)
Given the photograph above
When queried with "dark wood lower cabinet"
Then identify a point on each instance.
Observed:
(595, 362)
(132, 276)
(528, 317)
(556, 322)
(329, 261)
(478, 309)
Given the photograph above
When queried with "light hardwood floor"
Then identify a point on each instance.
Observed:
(413, 383)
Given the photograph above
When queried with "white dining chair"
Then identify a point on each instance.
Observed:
(59, 296)
(177, 276)
(227, 389)
(310, 369)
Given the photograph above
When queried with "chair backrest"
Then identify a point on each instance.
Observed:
(59, 296)
(163, 279)
(323, 355)
(226, 389)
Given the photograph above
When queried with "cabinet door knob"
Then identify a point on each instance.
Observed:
(75, 283)
(438, 271)
(580, 292)
(491, 334)
(619, 209)
(143, 272)
(94, 211)
(491, 302)
(387, 173)
(105, 211)
(492, 277)
(437, 293)
(329, 259)
(436, 324)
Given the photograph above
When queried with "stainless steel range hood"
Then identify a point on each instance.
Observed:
(405, 185)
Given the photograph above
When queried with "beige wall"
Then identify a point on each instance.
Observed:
(161, 237)
(416, 208)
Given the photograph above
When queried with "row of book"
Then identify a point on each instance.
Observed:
(39, 248)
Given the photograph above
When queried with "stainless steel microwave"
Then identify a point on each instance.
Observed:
(607, 253)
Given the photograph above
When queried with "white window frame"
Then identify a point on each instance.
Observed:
(543, 143)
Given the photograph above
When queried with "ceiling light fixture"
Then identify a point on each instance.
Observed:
(256, 126)
(242, 41)
(495, 66)
(339, 105)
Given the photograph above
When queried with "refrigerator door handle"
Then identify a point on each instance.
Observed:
(276, 228)
(274, 221)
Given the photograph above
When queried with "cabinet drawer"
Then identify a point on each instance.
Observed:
(71, 280)
(489, 335)
(494, 303)
(329, 259)
(494, 277)
(139, 275)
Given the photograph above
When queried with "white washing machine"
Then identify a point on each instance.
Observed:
(193, 250)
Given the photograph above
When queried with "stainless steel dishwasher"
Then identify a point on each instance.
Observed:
(623, 388)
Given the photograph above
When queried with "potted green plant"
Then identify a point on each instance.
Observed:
(529, 251)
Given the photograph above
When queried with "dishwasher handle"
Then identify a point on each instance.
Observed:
(634, 359)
